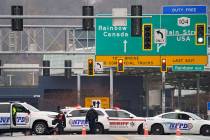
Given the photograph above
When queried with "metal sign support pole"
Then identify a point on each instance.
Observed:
(78, 89)
(111, 88)
(163, 92)
(146, 79)
(198, 94)
(179, 94)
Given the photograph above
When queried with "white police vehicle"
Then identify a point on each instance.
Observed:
(27, 118)
(186, 122)
(109, 120)
(75, 119)
(123, 121)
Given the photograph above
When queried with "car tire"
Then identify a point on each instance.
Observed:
(157, 129)
(205, 130)
(40, 128)
(99, 129)
(140, 130)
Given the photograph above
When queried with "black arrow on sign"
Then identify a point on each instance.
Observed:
(98, 103)
(94, 103)
(99, 65)
(159, 32)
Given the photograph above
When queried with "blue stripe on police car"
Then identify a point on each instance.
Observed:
(181, 126)
(19, 120)
(78, 122)
(4, 120)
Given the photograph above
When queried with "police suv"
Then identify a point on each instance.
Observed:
(27, 118)
(109, 120)
(184, 121)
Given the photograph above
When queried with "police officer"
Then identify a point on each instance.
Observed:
(92, 118)
(14, 115)
(61, 121)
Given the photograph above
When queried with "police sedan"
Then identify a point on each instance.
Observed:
(186, 122)
(75, 119)
(123, 121)
(109, 120)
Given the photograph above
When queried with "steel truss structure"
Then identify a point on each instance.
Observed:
(47, 39)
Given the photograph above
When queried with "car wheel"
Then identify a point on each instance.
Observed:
(99, 129)
(140, 130)
(157, 129)
(40, 128)
(205, 130)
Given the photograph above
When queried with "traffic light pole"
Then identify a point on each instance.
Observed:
(111, 88)
(198, 93)
(179, 99)
(146, 79)
(163, 92)
(78, 88)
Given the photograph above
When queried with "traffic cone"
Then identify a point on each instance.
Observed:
(178, 132)
(146, 130)
(83, 130)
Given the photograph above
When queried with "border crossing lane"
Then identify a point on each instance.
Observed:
(105, 137)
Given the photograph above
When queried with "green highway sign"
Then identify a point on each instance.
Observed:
(117, 40)
(176, 31)
(188, 68)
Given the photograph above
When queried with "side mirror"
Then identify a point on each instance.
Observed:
(69, 115)
(27, 111)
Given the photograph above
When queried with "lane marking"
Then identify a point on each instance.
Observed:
(120, 138)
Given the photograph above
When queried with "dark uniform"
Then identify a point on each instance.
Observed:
(61, 121)
(92, 118)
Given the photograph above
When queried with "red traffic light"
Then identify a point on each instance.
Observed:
(90, 67)
(90, 61)
(163, 65)
(120, 65)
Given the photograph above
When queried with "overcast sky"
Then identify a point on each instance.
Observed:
(74, 7)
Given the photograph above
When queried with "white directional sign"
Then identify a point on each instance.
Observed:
(160, 36)
(96, 103)
(99, 66)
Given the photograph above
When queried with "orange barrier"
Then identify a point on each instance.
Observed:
(83, 130)
(178, 132)
(146, 133)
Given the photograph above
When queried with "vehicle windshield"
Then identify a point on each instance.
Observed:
(195, 116)
(31, 108)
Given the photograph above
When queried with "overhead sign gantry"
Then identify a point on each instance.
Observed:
(173, 37)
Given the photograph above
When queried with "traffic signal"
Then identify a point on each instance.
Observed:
(136, 23)
(90, 67)
(120, 65)
(147, 37)
(163, 65)
(200, 33)
(46, 71)
(87, 23)
(17, 23)
(67, 70)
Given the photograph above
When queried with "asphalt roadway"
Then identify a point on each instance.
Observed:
(103, 137)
